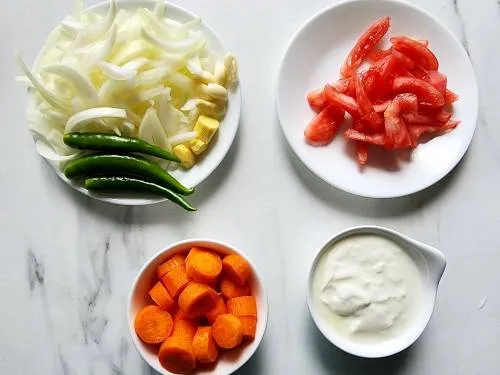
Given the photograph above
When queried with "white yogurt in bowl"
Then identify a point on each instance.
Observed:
(372, 290)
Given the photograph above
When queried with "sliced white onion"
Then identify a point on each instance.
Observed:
(118, 73)
(46, 150)
(93, 114)
(186, 46)
(81, 83)
(182, 138)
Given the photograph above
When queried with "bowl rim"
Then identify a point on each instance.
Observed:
(429, 294)
(193, 242)
(145, 199)
(321, 176)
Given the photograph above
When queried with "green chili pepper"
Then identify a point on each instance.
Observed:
(132, 184)
(123, 166)
(114, 143)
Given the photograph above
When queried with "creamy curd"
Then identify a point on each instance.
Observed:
(368, 288)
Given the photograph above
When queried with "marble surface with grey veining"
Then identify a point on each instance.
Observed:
(67, 262)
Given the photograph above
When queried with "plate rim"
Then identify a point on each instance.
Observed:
(354, 191)
(144, 200)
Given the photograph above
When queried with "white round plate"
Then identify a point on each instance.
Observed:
(313, 58)
(220, 145)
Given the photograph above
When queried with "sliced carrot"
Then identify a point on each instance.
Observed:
(175, 281)
(227, 331)
(160, 296)
(204, 347)
(197, 299)
(242, 306)
(230, 289)
(249, 326)
(203, 265)
(219, 309)
(174, 261)
(184, 328)
(236, 268)
(153, 325)
(177, 356)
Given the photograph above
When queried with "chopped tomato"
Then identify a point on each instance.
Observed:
(362, 153)
(438, 80)
(427, 94)
(395, 127)
(323, 127)
(381, 107)
(366, 110)
(377, 88)
(379, 54)
(345, 86)
(374, 139)
(450, 97)
(316, 100)
(346, 102)
(365, 44)
(403, 60)
(441, 117)
(416, 51)
(416, 131)
(420, 72)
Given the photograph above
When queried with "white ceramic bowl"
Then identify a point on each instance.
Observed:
(431, 264)
(229, 361)
(220, 145)
(313, 58)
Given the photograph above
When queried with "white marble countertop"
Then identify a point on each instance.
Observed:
(67, 262)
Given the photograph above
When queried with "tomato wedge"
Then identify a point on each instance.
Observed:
(365, 44)
(438, 80)
(366, 110)
(423, 119)
(343, 101)
(323, 127)
(317, 100)
(416, 51)
(374, 139)
(450, 97)
(379, 54)
(427, 94)
(345, 86)
(377, 88)
(416, 131)
(381, 107)
(396, 132)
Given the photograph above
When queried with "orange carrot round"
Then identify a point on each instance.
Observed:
(176, 260)
(196, 299)
(227, 331)
(242, 306)
(177, 356)
(204, 347)
(153, 325)
(230, 289)
(203, 265)
(175, 281)
(236, 268)
(184, 328)
(160, 296)
(219, 309)
(248, 326)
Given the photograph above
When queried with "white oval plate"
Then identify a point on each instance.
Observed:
(313, 58)
(221, 143)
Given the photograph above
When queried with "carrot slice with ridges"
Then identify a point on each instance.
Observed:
(203, 265)
(230, 289)
(175, 281)
(242, 306)
(153, 325)
(219, 309)
(204, 347)
(249, 327)
(161, 297)
(236, 268)
(175, 261)
(197, 299)
(227, 331)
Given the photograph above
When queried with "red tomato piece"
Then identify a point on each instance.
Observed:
(416, 51)
(420, 72)
(377, 88)
(396, 132)
(323, 127)
(379, 54)
(374, 139)
(362, 153)
(403, 60)
(416, 131)
(423, 119)
(381, 107)
(365, 44)
(438, 80)
(346, 102)
(317, 100)
(427, 94)
(366, 110)
(345, 86)
(450, 97)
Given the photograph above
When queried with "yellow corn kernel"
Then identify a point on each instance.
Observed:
(188, 159)
(197, 146)
(205, 128)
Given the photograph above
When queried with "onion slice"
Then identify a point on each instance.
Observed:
(93, 114)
